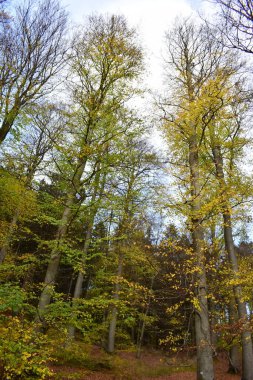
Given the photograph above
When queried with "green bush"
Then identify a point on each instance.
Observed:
(23, 351)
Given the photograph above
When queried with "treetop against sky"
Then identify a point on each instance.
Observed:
(151, 17)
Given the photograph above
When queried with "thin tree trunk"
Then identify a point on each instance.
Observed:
(205, 369)
(234, 352)
(123, 227)
(114, 312)
(213, 323)
(140, 340)
(247, 352)
(55, 258)
(80, 277)
(8, 121)
(98, 191)
(211, 303)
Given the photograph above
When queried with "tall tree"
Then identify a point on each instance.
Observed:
(227, 125)
(105, 59)
(26, 157)
(131, 183)
(192, 59)
(32, 51)
(217, 99)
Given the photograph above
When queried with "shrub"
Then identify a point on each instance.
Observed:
(23, 351)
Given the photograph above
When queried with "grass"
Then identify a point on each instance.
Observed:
(79, 359)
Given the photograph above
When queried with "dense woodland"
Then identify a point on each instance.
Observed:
(106, 240)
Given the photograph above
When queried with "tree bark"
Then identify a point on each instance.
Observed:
(114, 312)
(234, 352)
(55, 257)
(205, 369)
(80, 277)
(212, 305)
(141, 336)
(247, 352)
(8, 121)
(98, 191)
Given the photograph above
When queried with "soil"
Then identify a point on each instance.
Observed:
(149, 360)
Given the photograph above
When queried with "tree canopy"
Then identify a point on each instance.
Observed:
(108, 242)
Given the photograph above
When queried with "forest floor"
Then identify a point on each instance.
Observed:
(153, 365)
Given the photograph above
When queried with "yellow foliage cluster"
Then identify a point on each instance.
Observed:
(23, 352)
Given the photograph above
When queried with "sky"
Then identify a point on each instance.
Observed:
(152, 18)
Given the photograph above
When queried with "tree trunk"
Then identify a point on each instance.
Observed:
(98, 191)
(112, 328)
(212, 306)
(80, 277)
(205, 369)
(247, 352)
(55, 258)
(213, 322)
(8, 121)
(141, 336)
(114, 312)
(234, 352)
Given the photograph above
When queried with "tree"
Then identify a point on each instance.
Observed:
(217, 104)
(105, 60)
(26, 156)
(94, 204)
(32, 52)
(130, 183)
(4, 17)
(192, 59)
(227, 125)
(237, 23)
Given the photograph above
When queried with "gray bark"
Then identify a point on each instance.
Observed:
(55, 257)
(80, 277)
(214, 320)
(234, 352)
(247, 352)
(214, 336)
(205, 369)
(141, 336)
(94, 209)
(114, 312)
